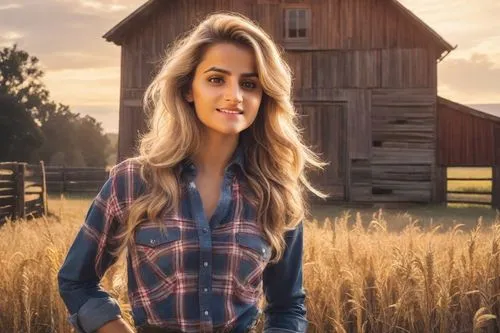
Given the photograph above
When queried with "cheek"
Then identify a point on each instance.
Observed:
(253, 104)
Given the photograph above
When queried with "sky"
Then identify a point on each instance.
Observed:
(82, 70)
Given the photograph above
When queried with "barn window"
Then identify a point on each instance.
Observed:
(297, 23)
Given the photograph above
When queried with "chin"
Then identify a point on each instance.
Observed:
(228, 130)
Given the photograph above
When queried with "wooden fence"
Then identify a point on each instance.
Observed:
(470, 194)
(75, 180)
(22, 190)
(24, 187)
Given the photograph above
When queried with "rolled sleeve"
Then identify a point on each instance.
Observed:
(285, 295)
(87, 260)
(94, 314)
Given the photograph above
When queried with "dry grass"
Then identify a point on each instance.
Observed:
(359, 275)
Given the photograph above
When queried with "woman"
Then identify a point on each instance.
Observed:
(209, 213)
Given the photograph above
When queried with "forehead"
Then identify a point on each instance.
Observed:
(235, 58)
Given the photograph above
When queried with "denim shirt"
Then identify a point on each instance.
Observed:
(198, 276)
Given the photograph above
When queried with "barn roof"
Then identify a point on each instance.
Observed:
(468, 109)
(119, 31)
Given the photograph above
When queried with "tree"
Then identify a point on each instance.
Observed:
(20, 77)
(35, 127)
(19, 134)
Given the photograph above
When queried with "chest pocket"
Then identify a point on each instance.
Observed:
(258, 247)
(253, 254)
(155, 237)
(158, 253)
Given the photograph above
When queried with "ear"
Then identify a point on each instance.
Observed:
(189, 96)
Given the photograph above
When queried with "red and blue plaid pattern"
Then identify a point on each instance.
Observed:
(190, 275)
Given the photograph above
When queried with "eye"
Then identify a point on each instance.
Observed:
(249, 85)
(217, 79)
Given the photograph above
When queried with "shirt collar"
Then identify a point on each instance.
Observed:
(236, 161)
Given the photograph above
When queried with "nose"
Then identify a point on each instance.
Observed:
(233, 93)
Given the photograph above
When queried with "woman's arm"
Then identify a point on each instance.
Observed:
(116, 326)
(285, 296)
(88, 258)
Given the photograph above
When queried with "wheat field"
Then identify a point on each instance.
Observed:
(359, 276)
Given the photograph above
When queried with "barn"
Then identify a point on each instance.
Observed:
(365, 83)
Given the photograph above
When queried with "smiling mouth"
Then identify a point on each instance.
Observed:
(229, 111)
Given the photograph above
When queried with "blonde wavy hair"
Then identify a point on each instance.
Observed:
(275, 154)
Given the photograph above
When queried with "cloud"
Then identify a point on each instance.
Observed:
(80, 59)
(8, 38)
(457, 17)
(105, 114)
(86, 86)
(99, 6)
(11, 35)
(10, 6)
(475, 79)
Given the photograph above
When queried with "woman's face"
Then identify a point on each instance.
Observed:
(226, 90)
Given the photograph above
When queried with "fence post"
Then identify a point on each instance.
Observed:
(495, 195)
(441, 184)
(45, 204)
(20, 209)
(63, 185)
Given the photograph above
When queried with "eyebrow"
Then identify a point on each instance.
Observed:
(224, 71)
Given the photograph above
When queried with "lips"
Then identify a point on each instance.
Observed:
(229, 111)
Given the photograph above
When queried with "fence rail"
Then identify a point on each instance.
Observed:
(24, 187)
(470, 195)
(21, 197)
(75, 180)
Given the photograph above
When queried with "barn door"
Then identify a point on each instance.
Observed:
(325, 131)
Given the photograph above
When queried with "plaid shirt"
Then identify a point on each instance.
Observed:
(199, 276)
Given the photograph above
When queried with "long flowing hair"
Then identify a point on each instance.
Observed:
(275, 156)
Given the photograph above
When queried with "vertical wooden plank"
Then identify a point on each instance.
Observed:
(496, 187)
(63, 182)
(45, 204)
(20, 212)
(496, 144)
(359, 120)
(441, 184)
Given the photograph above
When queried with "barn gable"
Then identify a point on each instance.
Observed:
(142, 14)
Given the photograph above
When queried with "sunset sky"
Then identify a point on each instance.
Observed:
(82, 69)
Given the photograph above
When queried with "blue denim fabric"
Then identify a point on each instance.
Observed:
(90, 306)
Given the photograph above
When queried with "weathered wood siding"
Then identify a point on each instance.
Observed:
(341, 24)
(497, 145)
(325, 131)
(403, 144)
(465, 139)
(363, 54)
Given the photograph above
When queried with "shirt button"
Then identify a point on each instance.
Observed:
(205, 264)
(206, 313)
(263, 250)
(205, 230)
(205, 290)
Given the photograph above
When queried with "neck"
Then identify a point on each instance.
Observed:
(214, 155)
